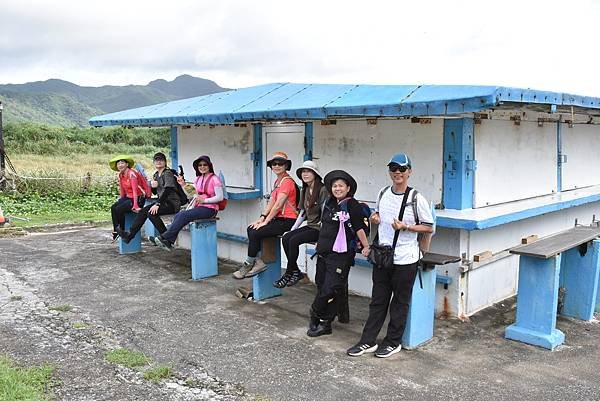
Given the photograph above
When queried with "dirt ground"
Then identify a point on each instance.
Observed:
(224, 348)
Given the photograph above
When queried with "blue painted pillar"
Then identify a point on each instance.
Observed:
(308, 141)
(174, 156)
(262, 283)
(257, 158)
(135, 245)
(459, 163)
(579, 278)
(419, 323)
(204, 248)
(537, 300)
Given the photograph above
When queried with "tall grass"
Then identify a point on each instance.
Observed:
(31, 138)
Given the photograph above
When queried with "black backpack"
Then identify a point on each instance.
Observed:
(183, 198)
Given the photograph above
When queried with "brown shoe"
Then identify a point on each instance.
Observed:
(259, 267)
(241, 272)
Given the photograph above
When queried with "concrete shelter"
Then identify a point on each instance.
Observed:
(498, 163)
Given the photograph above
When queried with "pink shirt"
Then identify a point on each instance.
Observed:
(209, 181)
(129, 187)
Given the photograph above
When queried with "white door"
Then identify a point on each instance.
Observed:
(288, 138)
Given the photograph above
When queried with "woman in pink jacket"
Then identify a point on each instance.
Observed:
(209, 193)
(131, 192)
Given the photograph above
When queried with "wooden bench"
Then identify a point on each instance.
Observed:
(568, 259)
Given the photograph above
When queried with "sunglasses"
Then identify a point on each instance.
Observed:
(278, 163)
(395, 167)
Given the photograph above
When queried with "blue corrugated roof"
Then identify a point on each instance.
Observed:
(289, 101)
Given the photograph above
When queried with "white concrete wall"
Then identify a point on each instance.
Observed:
(364, 151)
(228, 147)
(513, 161)
(581, 145)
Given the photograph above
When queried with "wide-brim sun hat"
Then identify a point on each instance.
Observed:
(309, 165)
(113, 162)
(336, 174)
(206, 159)
(400, 159)
(282, 156)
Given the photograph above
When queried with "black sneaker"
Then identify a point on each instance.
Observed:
(283, 281)
(115, 236)
(163, 243)
(387, 351)
(152, 240)
(361, 348)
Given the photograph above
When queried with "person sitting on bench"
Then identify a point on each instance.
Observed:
(164, 183)
(131, 192)
(312, 197)
(204, 205)
(342, 229)
(277, 218)
(402, 229)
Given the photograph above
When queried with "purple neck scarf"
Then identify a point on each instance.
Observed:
(340, 245)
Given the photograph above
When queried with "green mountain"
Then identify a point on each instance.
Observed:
(58, 102)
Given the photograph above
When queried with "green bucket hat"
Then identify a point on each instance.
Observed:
(113, 162)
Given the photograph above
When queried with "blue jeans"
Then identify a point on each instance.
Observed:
(185, 217)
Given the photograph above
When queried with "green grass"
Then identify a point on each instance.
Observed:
(80, 325)
(61, 308)
(157, 373)
(24, 384)
(127, 358)
(16, 298)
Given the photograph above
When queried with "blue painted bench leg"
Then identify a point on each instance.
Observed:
(419, 322)
(150, 230)
(262, 284)
(537, 300)
(579, 278)
(135, 245)
(204, 249)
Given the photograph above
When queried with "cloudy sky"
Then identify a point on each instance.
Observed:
(542, 45)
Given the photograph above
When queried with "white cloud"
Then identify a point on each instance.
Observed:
(545, 45)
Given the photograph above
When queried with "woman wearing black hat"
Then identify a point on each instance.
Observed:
(164, 184)
(342, 232)
(278, 216)
(312, 197)
(204, 205)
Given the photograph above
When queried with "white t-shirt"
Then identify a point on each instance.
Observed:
(407, 247)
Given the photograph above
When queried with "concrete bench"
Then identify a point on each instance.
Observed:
(203, 244)
(568, 259)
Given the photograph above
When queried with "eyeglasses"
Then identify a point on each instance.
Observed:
(396, 167)
(277, 163)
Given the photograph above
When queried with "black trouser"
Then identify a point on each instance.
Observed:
(164, 208)
(274, 228)
(291, 244)
(398, 281)
(331, 278)
(122, 206)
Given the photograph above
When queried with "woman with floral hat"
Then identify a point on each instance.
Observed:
(342, 224)
(204, 205)
(312, 197)
(131, 192)
(278, 216)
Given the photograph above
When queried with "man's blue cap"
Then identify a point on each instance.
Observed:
(400, 159)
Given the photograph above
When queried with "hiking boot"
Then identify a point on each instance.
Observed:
(241, 272)
(163, 243)
(296, 276)
(323, 328)
(259, 267)
(388, 351)
(125, 236)
(361, 348)
(283, 281)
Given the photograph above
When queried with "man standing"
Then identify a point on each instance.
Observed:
(395, 282)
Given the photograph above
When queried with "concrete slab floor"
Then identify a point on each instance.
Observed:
(147, 302)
